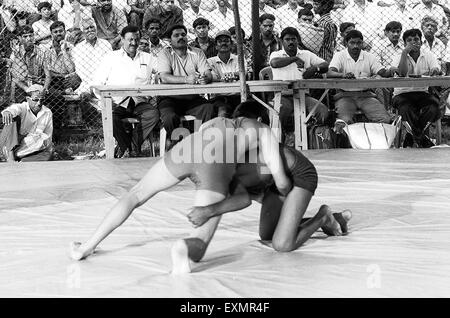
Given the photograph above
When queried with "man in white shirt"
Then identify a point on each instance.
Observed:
(191, 14)
(27, 134)
(88, 55)
(72, 13)
(128, 66)
(42, 34)
(432, 43)
(415, 104)
(428, 8)
(292, 64)
(225, 68)
(355, 63)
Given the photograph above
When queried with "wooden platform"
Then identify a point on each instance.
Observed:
(398, 244)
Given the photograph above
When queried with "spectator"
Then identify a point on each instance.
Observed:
(416, 106)
(269, 41)
(60, 61)
(203, 41)
(167, 13)
(288, 14)
(222, 17)
(323, 8)
(248, 55)
(402, 12)
(391, 46)
(356, 63)
(428, 8)
(154, 32)
(29, 63)
(129, 66)
(42, 34)
(292, 64)
(225, 67)
(72, 13)
(181, 64)
(7, 26)
(110, 20)
(344, 28)
(310, 34)
(137, 10)
(432, 43)
(192, 13)
(27, 134)
(88, 55)
(144, 44)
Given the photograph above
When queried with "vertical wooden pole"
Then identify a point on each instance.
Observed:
(108, 127)
(256, 41)
(240, 51)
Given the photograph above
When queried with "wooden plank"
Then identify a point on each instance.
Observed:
(275, 123)
(107, 119)
(297, 118)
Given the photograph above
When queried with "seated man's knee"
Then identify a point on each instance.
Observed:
(282, 245)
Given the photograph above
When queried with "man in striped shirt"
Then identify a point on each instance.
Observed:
(323, 8)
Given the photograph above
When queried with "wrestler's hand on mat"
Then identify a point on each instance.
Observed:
(198, 215)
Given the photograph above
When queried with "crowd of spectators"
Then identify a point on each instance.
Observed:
(66, 46)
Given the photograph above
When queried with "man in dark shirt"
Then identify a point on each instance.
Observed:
(166, 12)
(203, 41)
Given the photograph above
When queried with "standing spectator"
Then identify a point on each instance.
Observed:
(110, 20)
(269, 41)
(248, 55)
(344, 28)
(181, 64)
(203, 41)
(402, 12)
(323, 8)
(222, 17)
(72, 13)
(292, 64)
(60, 60)
(88, 55)
(129, 66)
(7, 26)
(154, 32)
(225, 67)
(310, 34)
(192, 13)
(428, 8)
(27, 134)
(416, 106)
(42, 34)
(356, 63)
(168, 13)
(287, 15)
(432, 43)
(137, 10)
(29, 64)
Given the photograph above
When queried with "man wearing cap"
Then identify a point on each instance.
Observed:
(42, 34)
(225, 67)
(203, 40)
(28, 129)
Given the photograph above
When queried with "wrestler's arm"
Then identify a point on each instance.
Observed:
(238, 200)
(270, 151)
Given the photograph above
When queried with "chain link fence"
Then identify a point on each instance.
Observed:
(29, 58)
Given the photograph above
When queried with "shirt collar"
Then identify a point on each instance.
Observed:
(360, 58)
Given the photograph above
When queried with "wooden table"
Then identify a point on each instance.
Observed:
(107, 92)
(300, 88)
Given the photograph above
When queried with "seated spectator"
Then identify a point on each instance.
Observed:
(192, 13)
(181, 64)
(28, 129)
(292, 64)
(29, 63)
(110, 21)
(144, 44)
(225, 68)
(323, 8)
(428, 8)
(416, 106)
(153, 28)
(168, 13)
(269, 41)
(356, 63)
(42, 34)
(72, 13)
(248, 50)
(88, 55)
(432, 43)
(203, 41)
(129, 66)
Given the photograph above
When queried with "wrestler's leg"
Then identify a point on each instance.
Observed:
(157, 179)
(194, 247)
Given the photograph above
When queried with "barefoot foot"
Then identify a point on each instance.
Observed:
(76, 252)
(337, 224)
(180, 258)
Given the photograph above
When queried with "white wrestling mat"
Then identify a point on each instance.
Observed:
(398, 246)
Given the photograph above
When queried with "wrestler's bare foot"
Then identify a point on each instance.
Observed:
(180, 259)
(342, 219)
(77, 252)
(331, 226)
